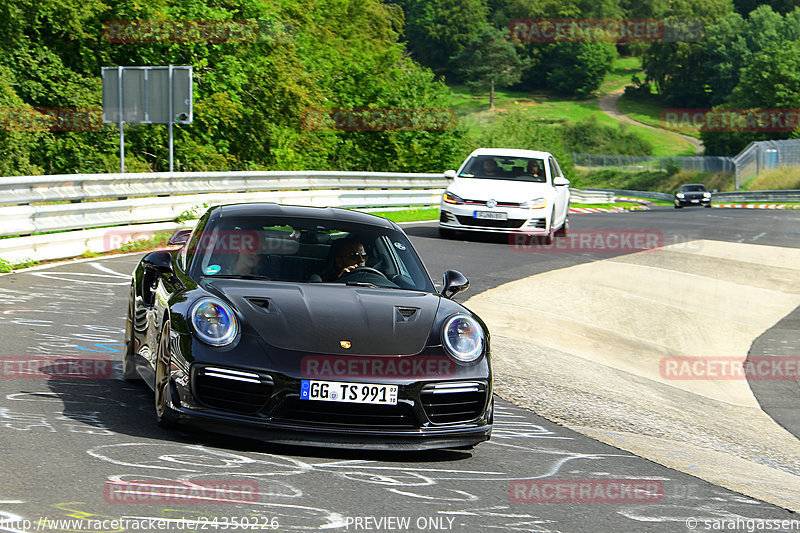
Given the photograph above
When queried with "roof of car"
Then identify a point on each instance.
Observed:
(510, 152)
(327, 213)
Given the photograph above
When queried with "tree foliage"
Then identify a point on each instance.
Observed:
(489, 61)
(250, 95)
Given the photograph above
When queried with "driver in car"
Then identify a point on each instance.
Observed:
(350, 255)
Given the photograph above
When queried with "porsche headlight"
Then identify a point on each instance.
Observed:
(463, 338)
(214, 321)
(450, 198)
(680, 195)
(706, 195)
(536, 203)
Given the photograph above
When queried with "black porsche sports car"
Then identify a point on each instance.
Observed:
(692, 194)
(306, 325)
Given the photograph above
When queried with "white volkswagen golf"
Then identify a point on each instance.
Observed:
(508, 191)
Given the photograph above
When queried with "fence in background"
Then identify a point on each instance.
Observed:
(651, 162)
(760, 156)
(756, 158)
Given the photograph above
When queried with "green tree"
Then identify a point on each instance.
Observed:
(489, 61)
(578, 68)
(771, 80)
(676, 67)
(437, 30)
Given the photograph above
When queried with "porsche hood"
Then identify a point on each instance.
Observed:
(333, 318)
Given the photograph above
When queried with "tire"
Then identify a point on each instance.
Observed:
(678, 206)
(445, 233)
(707, 206)
(165, 415)
(129, 372)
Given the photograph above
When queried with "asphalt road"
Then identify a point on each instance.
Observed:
(89, 450)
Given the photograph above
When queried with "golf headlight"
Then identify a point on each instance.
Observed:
(536, 203)
(463, 338)
(680, 195)
(214, 321)
(451, 198)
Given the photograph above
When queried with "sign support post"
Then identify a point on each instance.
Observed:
(147, 95)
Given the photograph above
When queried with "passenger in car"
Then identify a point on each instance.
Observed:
(535, 170)
(249, 258)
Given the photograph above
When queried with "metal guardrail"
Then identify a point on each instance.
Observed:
(635, 194)
(127, 204)
(24, 190)
(789, 196)
(164, 197)
(591, 196)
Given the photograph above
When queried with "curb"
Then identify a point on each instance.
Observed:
(756, 206)
(597, 210)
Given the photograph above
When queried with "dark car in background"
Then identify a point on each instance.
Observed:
(692, 194)
(252, 328)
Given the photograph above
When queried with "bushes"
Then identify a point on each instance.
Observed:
(589, 136)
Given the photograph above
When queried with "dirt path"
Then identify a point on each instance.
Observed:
(608, 105)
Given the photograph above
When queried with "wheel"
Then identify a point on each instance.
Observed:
(165, 415)
(678, 206)
(707, 205)
(129, 372)
(445, 233)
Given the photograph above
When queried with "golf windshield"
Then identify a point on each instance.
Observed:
(505, 168)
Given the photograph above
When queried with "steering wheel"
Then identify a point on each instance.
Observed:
(365, 270)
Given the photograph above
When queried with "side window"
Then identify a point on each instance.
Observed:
(190, 248)
(554, 170)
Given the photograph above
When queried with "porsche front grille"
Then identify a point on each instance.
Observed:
(232, 390)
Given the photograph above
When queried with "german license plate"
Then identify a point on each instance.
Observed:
(491, 215)
(339, 391)
(695, 201)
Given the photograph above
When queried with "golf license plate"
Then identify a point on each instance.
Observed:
(340, 391)
(491, 215)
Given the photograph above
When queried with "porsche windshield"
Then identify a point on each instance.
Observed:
(307, 251)
(693, 188)
(505, 168)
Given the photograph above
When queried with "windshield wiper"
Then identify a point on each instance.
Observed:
(237, 276)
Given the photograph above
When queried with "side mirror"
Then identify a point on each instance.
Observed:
(560, 181)
(160, 261)
(454, 282)
(449, 174)
(179, 238)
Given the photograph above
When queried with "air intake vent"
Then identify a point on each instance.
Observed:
(232, 390)
(451, 403)
(406, 314)
(263, 303)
